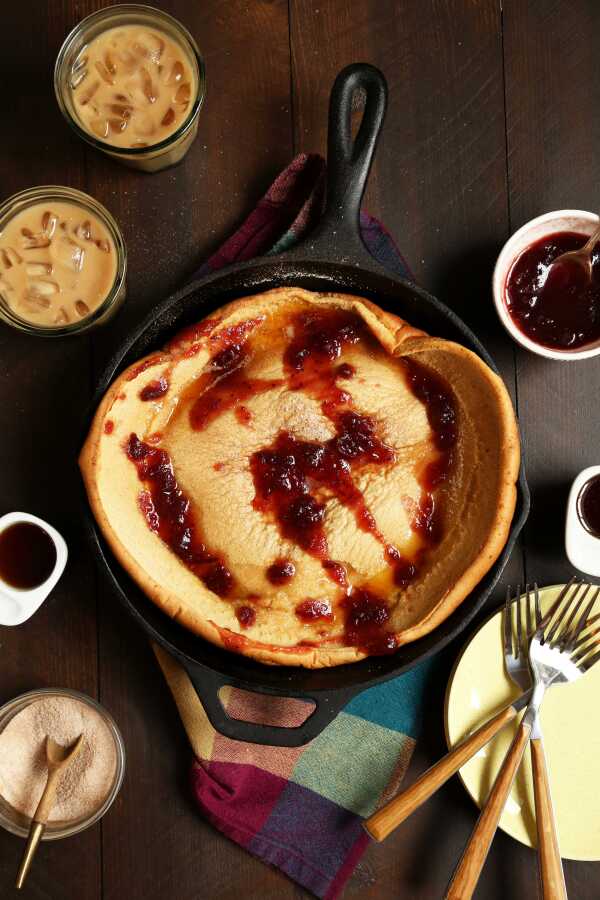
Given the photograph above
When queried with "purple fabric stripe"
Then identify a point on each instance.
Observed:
(346, 870)
(310, 837)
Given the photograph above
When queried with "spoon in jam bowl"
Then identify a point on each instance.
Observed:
(58, 758)
(573, 264)
(546, 285)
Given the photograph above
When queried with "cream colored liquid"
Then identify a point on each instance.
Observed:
(132, 86)
(58, 263)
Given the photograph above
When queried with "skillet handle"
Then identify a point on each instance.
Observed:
(337, 236)
(208, 683)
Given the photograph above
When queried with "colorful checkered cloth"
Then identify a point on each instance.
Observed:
(301, 808)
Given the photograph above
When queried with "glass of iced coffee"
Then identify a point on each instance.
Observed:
(62, 262)
(130, 80)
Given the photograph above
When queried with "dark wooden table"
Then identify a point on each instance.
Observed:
(492, 120)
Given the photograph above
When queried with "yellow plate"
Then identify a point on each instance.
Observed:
(570, 719)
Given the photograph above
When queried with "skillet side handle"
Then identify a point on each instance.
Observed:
(207, 685)
(337, 236)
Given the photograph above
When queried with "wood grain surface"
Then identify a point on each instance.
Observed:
(491, 121)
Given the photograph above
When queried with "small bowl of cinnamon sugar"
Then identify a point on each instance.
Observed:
(90, 784)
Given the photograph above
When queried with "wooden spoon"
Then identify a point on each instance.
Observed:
(58, 758)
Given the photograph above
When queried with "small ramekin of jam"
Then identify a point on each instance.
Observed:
(130, 80)
(583, 522)
(63, 262)
(553, 311)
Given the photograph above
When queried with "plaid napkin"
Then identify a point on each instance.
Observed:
(301, 808)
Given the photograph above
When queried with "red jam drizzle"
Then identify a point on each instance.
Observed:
(190, 339)
(336, 572)
(232, 641)
(167, 512)
(226, 386)
(366, 618)
(312, 610)
(320, 338)
(588, 506)
(109, 426)
(230, 392)
(345, 370)
(143, 365)
(435, 395)
(555, 306)
(243, 415)
(288, 470)
(154, 389)
(246, 616)
(404, 570)
(281, 571)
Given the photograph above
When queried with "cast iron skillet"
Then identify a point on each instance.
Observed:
(332, 258)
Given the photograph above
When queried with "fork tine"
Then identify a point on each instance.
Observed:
(507, 623)
(589, 634)
(583, 647)
(578, 628)
(519, 604)
(593, 620)
(583, 640)
(546, 619)
(529, 625)
(538, 611)
(589, 662)
(588, 655)
(560, 614)
(563, 639)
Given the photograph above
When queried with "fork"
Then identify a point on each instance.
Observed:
(516, 663)
(386, 819)
(559, 652)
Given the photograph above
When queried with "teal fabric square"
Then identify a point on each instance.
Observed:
(400, 704)
(352, 762)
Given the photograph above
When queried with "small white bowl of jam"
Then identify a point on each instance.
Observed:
(33, 556)
(557, 317)
(583, 522)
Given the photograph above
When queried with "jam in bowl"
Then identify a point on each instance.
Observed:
(549, 307)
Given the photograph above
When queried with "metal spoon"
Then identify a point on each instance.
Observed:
(581, 258)
(58, 759)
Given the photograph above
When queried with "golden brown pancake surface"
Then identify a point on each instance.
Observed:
(305, 478)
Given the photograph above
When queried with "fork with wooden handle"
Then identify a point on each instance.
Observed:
(390, 816)
(558, 654)
(550, 864)
(516, 663)
(387, 819)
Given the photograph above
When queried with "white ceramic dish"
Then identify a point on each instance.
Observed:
(550, 223)
(583, 549)
(16, 606)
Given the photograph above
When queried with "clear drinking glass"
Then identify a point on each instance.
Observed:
(173, 148)
(17, 823)
(46, 194)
